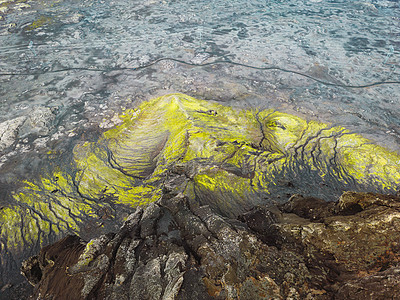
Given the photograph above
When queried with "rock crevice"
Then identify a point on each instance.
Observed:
(175, 248)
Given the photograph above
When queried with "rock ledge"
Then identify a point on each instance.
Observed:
(305, 248)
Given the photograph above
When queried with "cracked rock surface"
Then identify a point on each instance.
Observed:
(175, 248)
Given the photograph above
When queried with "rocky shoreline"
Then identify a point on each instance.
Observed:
(175, 248)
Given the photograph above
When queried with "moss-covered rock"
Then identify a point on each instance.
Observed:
(230, 159)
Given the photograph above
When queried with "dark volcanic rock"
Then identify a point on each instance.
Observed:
(382, 285)
(176, 249)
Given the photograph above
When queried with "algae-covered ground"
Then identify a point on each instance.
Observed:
(230, 159)
(298, 97)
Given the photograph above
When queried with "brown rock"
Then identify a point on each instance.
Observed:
(379, 286)
(176, 249)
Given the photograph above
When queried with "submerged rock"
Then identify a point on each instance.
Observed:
(38, 123)
(9, 132)
(177, 249)
(230, 159)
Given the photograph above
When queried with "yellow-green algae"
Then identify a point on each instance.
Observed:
(6, 5)
(39, 23)
(231, 157)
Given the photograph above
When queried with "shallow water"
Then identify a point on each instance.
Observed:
(84, 58)
(68, 68)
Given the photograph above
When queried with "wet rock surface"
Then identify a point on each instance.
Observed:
(229, 159)
(175, 248)
(24, 133)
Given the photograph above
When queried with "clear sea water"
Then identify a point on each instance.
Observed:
(88, 60)
(68, 67)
